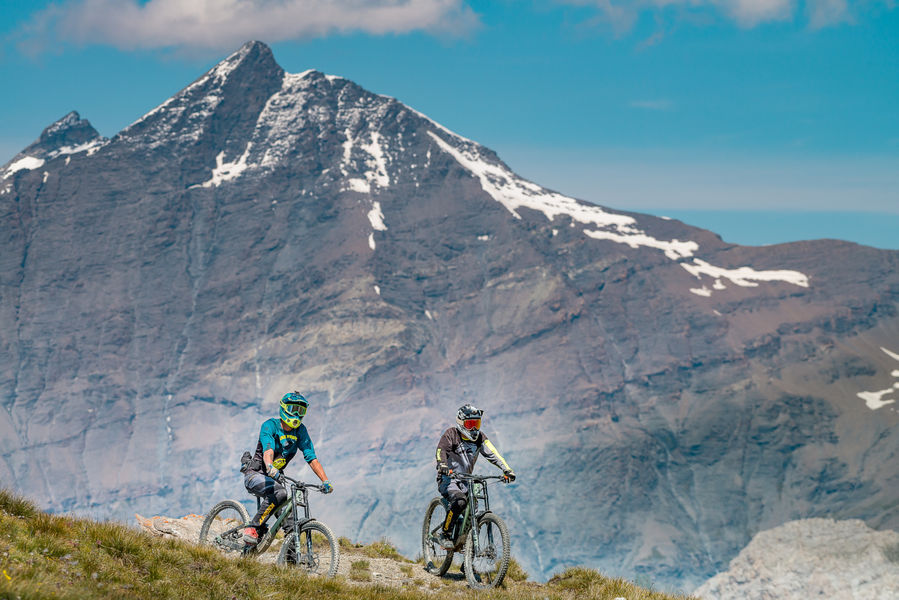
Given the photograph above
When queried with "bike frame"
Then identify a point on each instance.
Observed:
(289, 506)
(471, 514)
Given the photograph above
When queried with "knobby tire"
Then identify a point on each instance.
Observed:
(499, 554)
(430, 551)
(332, 553)
(207, 531)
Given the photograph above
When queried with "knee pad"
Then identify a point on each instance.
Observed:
(458, 504)
(280, 495)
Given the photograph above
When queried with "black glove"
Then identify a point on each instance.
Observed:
(509, 476)
(444, 470)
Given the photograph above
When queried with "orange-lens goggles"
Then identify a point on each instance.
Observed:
(471, 423)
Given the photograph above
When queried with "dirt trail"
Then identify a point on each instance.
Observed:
(357, 563)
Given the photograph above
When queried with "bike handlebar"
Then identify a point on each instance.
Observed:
(469, 477)
(303, 484)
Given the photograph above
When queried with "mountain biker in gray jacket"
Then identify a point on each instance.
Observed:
(457, 452)
(278, 444)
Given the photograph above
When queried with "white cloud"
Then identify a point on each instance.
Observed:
(621, 14)
(823, 13)
(223, 24)
(750, 13)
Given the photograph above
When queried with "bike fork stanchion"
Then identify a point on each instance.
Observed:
(295, 534)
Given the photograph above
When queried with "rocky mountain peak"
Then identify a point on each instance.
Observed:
(69, 135)
(215, 112)
(71, 130)
(251, 64)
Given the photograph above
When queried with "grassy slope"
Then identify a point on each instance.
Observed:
(47, 556)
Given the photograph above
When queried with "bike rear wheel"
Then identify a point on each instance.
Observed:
(318, 552)
(486, 564)
(223, 526)
(437, 559)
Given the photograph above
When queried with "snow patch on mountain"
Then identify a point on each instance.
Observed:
(227, 171)
(514, 193)
(875, 399)
(26, 163)
(378, 173)
(376, 218)
(375, 163)
(90, 147)
(743, 276)
(282, 119)
(673, 249)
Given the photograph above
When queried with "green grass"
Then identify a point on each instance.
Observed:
(58, 556)
(587, 583)
(345, 543)
(383, 549)
(515, 572)
(360, 571)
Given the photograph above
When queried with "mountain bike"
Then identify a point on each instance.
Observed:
(486, 544)
(311, 546)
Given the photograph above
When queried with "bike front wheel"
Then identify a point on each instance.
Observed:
(437, 559)
(223, 526)
(487, 561)
(317, 552)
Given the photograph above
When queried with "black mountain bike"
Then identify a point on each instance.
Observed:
(311, 547)
(482, 535)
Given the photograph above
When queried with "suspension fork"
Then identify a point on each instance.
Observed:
(470, 514)
(486, 510)
(297, 521)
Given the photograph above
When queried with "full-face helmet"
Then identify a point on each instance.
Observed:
(468, 422)
(293, 409)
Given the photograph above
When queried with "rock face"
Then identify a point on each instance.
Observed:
(812, 558)
(662, 395)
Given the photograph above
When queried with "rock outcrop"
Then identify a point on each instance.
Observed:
(812, 558)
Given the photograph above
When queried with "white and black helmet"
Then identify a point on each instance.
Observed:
(468, 422)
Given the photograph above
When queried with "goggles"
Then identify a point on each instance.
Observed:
(471, 424)
(295, 410)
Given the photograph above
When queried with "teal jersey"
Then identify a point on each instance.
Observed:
(285, 444)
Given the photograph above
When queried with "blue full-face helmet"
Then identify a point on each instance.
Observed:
(293, 409)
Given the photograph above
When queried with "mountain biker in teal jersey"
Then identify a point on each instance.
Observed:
(457, 452)
(279, 441)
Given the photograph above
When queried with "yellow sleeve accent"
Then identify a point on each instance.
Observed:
(493, 449)
(438, 454)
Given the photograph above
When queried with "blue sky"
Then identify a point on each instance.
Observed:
(763, 120)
